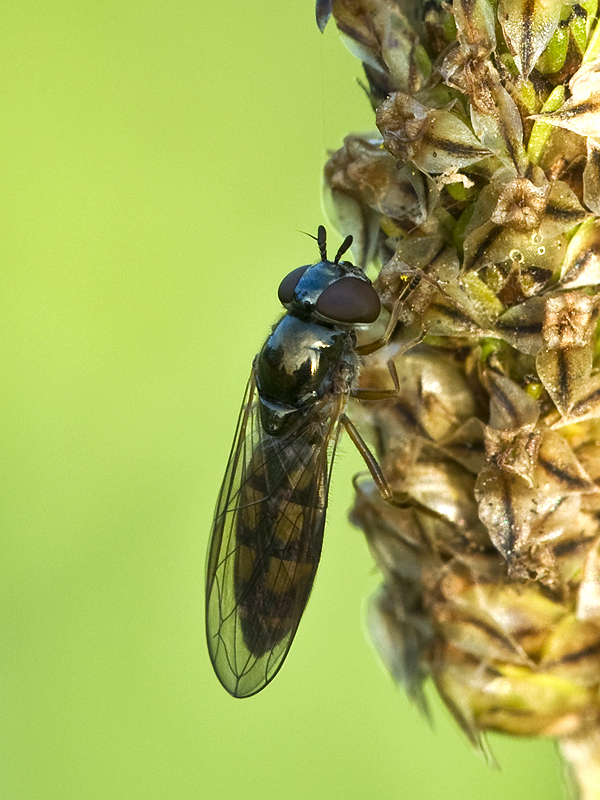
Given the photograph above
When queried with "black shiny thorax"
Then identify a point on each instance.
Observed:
(301, 361)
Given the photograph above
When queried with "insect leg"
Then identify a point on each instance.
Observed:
(381, 394)
(371, 347)
(369, 459)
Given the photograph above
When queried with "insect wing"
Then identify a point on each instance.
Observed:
(266, 542)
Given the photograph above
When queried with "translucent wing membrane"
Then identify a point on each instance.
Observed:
(266, 541)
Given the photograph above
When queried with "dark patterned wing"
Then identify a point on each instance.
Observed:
(266, 541)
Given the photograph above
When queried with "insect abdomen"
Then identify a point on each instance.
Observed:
(276, 558)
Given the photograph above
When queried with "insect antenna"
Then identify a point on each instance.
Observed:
(322, 242)
(321, 239)
(343, 247)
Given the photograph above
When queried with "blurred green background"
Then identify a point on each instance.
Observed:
(157, 162)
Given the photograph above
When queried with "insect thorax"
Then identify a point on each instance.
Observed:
(300, 362)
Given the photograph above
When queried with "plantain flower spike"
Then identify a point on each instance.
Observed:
(479, 200)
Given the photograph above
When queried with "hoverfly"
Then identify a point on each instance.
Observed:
(268, 525)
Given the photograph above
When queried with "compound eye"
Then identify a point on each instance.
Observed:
(287, 287)
(349, 301)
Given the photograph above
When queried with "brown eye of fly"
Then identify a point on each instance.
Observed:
(289, 283)
(349, 300)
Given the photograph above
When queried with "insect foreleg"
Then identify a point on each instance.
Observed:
(371, 347)
(381, 394)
